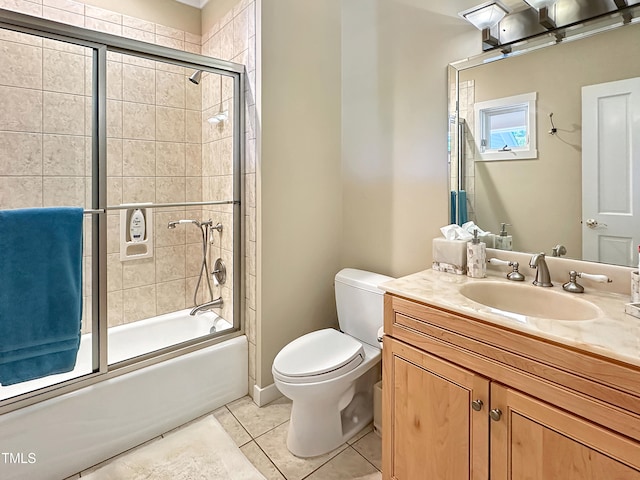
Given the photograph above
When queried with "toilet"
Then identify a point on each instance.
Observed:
(329, 374)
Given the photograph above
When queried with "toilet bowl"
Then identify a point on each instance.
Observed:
(329, 374)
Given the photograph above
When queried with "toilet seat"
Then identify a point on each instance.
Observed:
(318, 356)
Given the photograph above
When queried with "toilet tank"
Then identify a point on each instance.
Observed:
(360, 303)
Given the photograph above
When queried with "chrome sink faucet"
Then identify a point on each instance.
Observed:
(543, 279)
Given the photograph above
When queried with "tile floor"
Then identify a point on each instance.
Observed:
(261, 434)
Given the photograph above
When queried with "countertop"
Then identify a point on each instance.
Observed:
(613, 333)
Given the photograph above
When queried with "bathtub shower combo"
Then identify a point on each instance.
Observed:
(145, 145)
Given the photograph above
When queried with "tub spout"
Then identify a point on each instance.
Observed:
(217, 303)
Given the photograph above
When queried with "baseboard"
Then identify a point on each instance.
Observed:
(262, 396)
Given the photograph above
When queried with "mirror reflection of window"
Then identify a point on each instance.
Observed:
(505, 128)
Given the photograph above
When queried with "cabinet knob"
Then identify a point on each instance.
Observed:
(477, 405)
(495, 414)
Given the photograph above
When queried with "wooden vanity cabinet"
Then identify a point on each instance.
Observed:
(456, 407)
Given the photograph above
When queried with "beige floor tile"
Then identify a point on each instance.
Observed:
(274, 444)
(74, 477)
(260, 460)
(232, 426)
(259, 420)
(348, 465)
(370, 447)
(360, 434)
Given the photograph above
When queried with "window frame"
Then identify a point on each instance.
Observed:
(484, 110)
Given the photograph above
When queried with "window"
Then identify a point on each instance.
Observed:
(505, 128)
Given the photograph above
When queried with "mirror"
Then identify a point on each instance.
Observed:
(588, 144)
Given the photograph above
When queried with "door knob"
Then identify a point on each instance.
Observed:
(495, 414)
(477, 405)
(593, 223)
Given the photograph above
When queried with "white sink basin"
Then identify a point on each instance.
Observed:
(529, 301)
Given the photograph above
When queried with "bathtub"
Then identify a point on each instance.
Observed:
(64, 435)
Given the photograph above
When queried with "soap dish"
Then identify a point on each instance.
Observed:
(632, 309)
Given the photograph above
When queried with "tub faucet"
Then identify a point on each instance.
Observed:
(207, 306)
(543, 279)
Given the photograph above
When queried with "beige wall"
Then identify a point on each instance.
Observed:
(394, 153)
(542, 197)
(299, 188)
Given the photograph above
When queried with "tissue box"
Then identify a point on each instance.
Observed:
(450, 256)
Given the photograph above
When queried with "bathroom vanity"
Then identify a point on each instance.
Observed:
(477, 391)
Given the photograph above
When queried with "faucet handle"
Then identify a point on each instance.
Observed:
(595, 278)
(574, 287)
(514, 275)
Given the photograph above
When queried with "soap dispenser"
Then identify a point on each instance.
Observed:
(137, 226)
(476, 257)
(504, 241)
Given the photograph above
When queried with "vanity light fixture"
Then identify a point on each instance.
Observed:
(484, 17)
(543, 7)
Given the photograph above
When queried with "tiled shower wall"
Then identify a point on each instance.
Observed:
(233, 37)
(166, 159)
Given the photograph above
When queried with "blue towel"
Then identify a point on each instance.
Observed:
(40, 292)
(452, 207)
(462, 207)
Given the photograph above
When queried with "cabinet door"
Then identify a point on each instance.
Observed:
(431, 430)
(535, 441)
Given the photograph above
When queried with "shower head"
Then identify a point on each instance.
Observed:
(175, 223)
(195, 77)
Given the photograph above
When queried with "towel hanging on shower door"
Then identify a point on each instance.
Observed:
(40, 291)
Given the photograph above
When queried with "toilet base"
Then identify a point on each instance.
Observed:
(317, 427)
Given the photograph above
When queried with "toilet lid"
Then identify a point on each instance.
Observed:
(321, 355)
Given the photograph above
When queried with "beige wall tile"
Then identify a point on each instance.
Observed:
(114, 157)
(63, 72)
(169, 32)
(193, 259)
(171, 296)
(192, 48)
(138, 121)
(114, 190)
(138, 23)
(114, 272)
(20, 153)
(138, 61)
(63, 113)
(193, 126)
(139, 303)
(193, 95)
(170, 189)
(114, 80)
(20, 192)
(63, 191)
(18, 37)
(102, 14)
(241, 32)
(21, 65)
(191, 38)
(170, 125)
(169, 236)
(115, 308)
(102, 26)
(170, 263)
(136, 273)
(170, 159)
(226, 42)
(21, 109)
(113, 233)
(169, 42)
(62, 16)
(138, 84)
(136, 34)
(193, 189)
(170, 89)
(67, 5)
(63, 155)
(22, 6)
(139, 158)
(193, 164)
(138, 189)
(171, 68)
